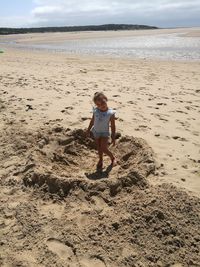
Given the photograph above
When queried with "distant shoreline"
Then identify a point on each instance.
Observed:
(105, 27)
(163, 44)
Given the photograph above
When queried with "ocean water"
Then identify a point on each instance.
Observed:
(162, 46)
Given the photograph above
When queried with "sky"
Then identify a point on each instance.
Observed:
(39, 13)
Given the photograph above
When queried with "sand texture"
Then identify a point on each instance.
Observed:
(56, 210)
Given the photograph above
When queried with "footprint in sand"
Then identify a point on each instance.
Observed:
(66, 254)
(161, 104)
(179, 138)
(63, 251)
(67, 110)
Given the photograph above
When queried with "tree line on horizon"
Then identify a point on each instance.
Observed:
(106, 27)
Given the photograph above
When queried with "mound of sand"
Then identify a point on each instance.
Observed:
(58, 211)
(60, 160)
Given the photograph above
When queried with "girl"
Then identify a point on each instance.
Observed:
(101, 119)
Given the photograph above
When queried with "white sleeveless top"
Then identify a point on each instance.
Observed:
(102, 119)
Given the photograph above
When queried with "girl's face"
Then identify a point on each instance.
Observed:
(101, 103)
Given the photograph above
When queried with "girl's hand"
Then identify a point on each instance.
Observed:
(90, 127)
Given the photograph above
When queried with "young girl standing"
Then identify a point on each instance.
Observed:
(102, 118)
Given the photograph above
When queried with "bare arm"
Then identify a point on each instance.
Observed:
(113, 128)
(91, 124)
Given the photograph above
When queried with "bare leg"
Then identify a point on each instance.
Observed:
(100, 152)
(104, 147)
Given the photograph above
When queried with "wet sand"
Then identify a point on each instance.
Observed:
(41, 38)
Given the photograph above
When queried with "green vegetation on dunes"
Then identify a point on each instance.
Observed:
(106, 27)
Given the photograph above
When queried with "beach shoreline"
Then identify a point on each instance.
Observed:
(57, 37)
(162, 44)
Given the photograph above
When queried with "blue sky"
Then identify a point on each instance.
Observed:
(16, 7)
(161, 13)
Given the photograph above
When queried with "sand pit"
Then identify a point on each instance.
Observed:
(60, 160)
(56, 210)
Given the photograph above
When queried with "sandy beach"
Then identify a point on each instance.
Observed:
(56, 211)
(40, 38)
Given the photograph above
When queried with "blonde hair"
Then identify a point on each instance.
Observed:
(99, 94)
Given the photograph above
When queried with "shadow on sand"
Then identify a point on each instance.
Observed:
(99, 174)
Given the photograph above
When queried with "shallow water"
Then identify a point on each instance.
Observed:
(163, 46)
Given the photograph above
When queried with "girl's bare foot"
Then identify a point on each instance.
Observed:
(100, 165)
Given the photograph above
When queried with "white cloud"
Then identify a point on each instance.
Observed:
(161, 13)
(155, 12)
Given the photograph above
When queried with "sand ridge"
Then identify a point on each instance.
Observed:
(61, 160)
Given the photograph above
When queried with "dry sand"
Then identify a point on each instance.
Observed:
(55, 209)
